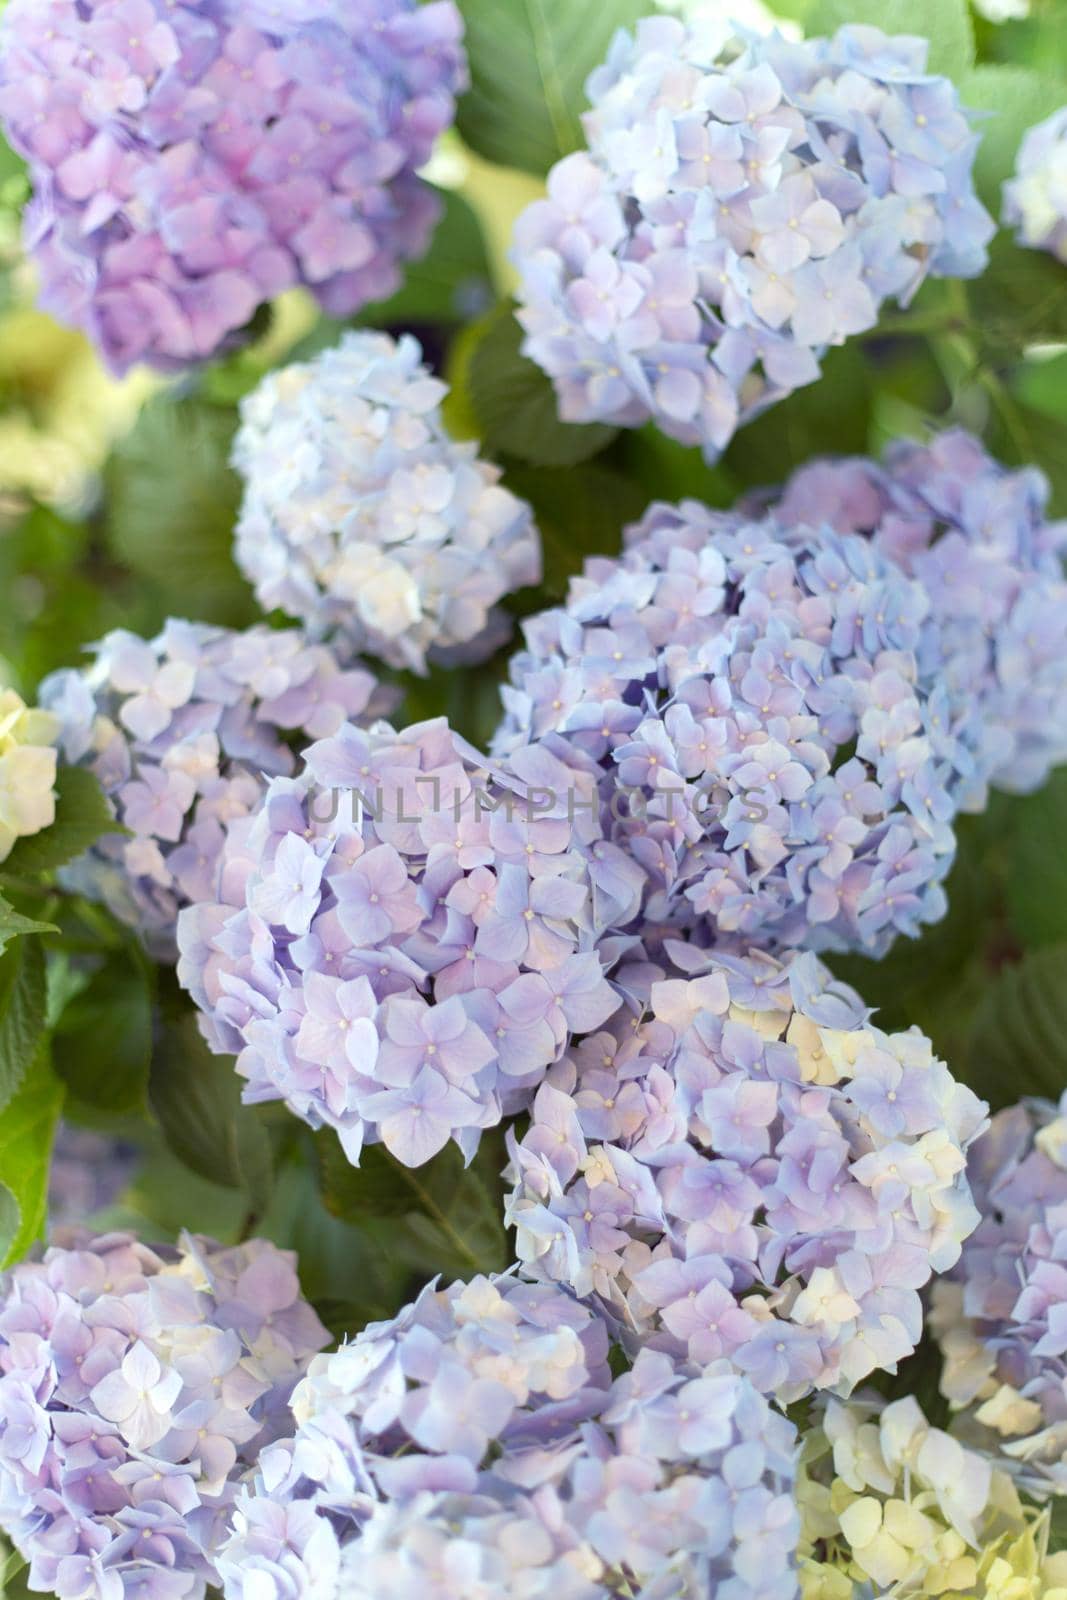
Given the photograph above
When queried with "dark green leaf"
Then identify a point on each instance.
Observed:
(14, 925)
(529, 60)
(452, 281)
(1019, 1040)
(515, 403)
(83, 815)
(171, 503)
(580, 512)
(23, 1004)
(832, 413)
(451, 1214)
(197, 1098)
(27, 1129)
(1014, 98)
(946, 23)
(1036, 879)
(1020, 299)
(102, 1045)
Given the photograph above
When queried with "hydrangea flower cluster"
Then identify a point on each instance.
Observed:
(1001, 1317)
(977, 537)
(405, 939)
(136, 1386)
(744, 204)
(362, 516)
(477, 1445)
(765, 714)
(27, 770)
(180, 730)
(890, 1505)
(745, 1170)
(193, 158)
(1035, 198)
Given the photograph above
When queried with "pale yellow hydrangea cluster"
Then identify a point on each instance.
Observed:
(27, 770)
(893, 1507)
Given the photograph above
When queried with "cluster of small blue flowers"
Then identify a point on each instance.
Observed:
(766, 739)
(363, 518)
(193, 158)
(978, 539)
(180, 730)
(1001, 1317)
(405, 939)
(1035, 197)
(744, 1169)
(744, 204)
(476, 1445)
(136, 1387)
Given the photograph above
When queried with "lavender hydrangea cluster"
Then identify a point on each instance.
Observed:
(476, 1445)
(405, 938)
(978, 539)
(136, 1386)
(766, 717)
(193, 158)
(362, 517)
(1035, 197)
(1001, 1317)
(744, 204)
(180, 730)
(744, 1169)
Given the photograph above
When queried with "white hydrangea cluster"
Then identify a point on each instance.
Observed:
(364, 518)
(27, 770)
(1035, 199)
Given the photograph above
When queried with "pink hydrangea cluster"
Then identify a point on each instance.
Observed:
(193, 158)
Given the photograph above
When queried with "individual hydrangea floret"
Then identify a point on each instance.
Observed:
(362, 517)
(180, 730)
(1035, 198)
(1001, 1319)
(476, 1445)
(406, 937)
(27, 770)
(745, 1169)
(978, 539)
(193, 158)
(765, 714)
(744, 204)
(137, 1385)
(891, 1505)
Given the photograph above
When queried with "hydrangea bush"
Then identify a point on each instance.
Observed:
(605, 1126)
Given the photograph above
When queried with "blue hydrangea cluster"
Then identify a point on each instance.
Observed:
(767, 722)
(1035, 197)
(740, 1167)
(363, 518)
(180, 731)
(404, 938)
(136, 1386)
(1001, 1317)
(193, 158)
(978, 539)
(476, 1445)
(744, 204)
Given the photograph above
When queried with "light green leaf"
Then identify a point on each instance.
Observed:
(946, 23)
(83, 815)
(1014, 98)
(529, 61)
(27, 1129)
(515, 403)
(14, 925)
(1018, 1043)
(23, 1007)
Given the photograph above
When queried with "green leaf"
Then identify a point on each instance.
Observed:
(451, 1213)
(529, 61)
(1014, 98)
(102, 1045)
(197, 1098)
(23, 1008)
(451, 283)
(515, 403)
(1018, 1043)
(1036, 877)
(14, 925)
(580, 512)
(171, 503)
(27, 1129)
(1020, 299)
(834, 412)
(946, 23)
(83, 815)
